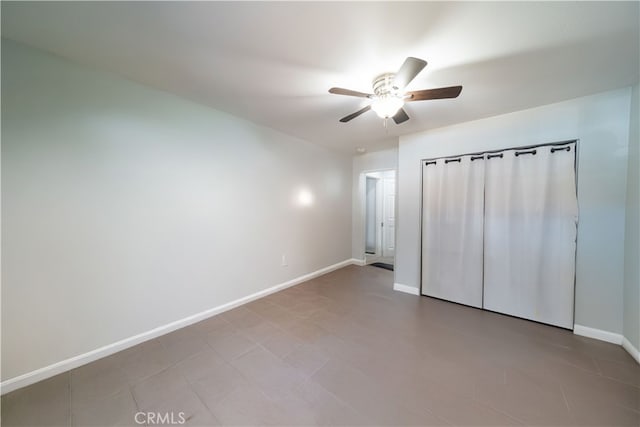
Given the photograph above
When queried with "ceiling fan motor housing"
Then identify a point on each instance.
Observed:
(383, 85)
(387, 100)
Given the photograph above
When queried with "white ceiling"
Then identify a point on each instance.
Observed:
(273, 62)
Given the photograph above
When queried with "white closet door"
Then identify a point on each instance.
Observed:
(530, 231)
(452, 229)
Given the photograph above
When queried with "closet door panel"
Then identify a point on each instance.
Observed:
(530, 229)
(452, 229)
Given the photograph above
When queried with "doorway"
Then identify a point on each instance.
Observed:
(379, 216)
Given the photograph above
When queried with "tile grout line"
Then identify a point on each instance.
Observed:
(200, 399)
(260, 388)
(347, 404)
(135, 401)
(566, 401)
(488, 405)
(318, 369)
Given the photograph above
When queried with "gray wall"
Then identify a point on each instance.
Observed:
(601, 123)
(632, 230)
(125, 208)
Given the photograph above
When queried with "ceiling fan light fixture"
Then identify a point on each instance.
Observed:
(387, 106)
(389, 93)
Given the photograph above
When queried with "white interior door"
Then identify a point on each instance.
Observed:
(389, 214)
(452, 229)
(371, 214)
(530, 234)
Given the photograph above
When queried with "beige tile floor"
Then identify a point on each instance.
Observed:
(345, 349)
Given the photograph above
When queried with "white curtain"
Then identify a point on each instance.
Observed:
(530, 234)
(452, 229)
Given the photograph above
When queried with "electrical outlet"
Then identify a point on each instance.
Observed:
(284, 261)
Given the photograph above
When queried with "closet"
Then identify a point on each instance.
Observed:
(499, 231)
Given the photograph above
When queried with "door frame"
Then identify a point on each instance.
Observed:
(361, 205)
(376, 214)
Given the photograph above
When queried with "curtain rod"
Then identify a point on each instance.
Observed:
(479, 154)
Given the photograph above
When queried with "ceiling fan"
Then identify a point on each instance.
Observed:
(388, 95)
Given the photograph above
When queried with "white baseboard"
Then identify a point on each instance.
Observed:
(356, 261)
(597, 334)
(626, 344)
(406, 289)
(107, 350)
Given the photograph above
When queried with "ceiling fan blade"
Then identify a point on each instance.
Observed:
(439, 93)
(351, 116)
(408, 71)
(349, 92)
(401, 116)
